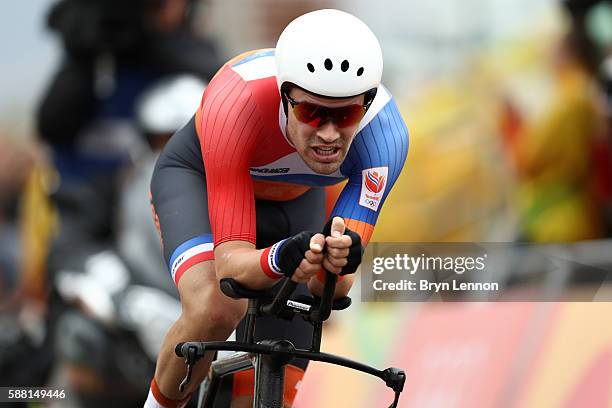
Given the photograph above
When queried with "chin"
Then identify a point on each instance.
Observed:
(323, 168)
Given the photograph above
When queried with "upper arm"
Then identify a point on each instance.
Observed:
(374, 163)
(229, 125)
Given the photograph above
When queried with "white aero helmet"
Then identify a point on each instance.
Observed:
(329, 53)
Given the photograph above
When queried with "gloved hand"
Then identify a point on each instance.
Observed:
(343, 249)
(298, 257)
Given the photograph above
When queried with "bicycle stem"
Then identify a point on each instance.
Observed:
(325, 307)
(280, 300)
(319, 314)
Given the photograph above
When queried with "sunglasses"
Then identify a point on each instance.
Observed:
(317, 115)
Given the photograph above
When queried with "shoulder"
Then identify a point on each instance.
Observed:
(247, 78)
(254, 65)
(382, 114)
(382, 136)
(247, 68)
(242, 97)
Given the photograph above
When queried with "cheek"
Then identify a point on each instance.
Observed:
(302, 133)
(348, 135)
(294, 131)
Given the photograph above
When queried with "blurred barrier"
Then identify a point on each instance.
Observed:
(511, 354)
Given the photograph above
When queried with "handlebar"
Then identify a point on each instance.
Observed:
(280, 303)
(275, 307)
(394, 378)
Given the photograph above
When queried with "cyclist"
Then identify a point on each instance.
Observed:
(274, 127)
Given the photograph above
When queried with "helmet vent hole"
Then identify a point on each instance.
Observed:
(328, 64)
(310, 67)
(360, 71)
(345, 66)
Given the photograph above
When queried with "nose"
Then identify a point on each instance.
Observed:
(328, 132)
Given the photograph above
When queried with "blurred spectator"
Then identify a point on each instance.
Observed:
(160, 111)
(603, 148)
(110, 45)
(113, 51)
(15, 164)
(134, 278)
(24, 358)
(553, 154)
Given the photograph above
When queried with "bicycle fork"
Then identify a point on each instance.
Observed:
(270, 374)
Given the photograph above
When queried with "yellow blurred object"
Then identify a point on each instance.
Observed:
(553, 160)
(458, 184)
(452, 183)
(38, 224)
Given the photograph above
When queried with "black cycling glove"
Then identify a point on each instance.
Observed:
(285, 256)
(355, 250)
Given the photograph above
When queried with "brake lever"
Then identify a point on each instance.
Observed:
(190, 359)
(395, 378)
(395, 400)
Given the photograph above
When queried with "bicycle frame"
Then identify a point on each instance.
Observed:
(270, 357)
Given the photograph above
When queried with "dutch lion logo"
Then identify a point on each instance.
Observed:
(374, 182)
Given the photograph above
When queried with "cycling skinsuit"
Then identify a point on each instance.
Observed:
(233, 174)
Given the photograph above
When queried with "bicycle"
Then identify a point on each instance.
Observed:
(269, 357)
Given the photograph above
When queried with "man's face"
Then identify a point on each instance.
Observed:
(322, 148)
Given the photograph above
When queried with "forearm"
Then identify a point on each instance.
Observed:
(242, 263)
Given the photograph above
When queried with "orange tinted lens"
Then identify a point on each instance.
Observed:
(316, 115)
(348, 115)
(308, 113)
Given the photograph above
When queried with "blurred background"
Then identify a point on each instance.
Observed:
(509, 108)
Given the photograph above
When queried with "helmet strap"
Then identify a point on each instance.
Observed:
(369, 98)
(285, 89)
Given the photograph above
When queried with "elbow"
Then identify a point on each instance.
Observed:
(224, 264)
(221, 269)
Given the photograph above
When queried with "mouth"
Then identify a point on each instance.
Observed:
(326, 154)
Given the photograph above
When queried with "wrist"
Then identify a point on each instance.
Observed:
(269, 261)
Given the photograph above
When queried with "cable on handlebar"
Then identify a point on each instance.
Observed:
(280, 300)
